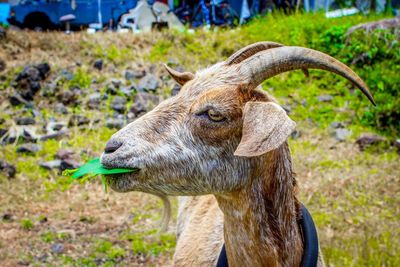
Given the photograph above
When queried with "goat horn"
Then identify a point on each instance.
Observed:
(267, 64)
(249, 51)
(179, 77)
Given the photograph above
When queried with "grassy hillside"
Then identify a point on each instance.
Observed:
(352, 194)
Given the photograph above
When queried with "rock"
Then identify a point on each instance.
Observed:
(3, 33)
(57, 248)
(341, 134)
(367, 140)
(144, 102)
(27, 82)
(175, 90)
(65, 74)
(44, 70)
(78, 120)
(116, 83)
(2, 65)
(3, 132)
(25, 121)
(118, 104)
(134, 74)
(111, 90)
(148, 83)
(8, 169)
(67, 97)
(336, 125)
(98, 64)
(49, 90)
(69, 164)
(396, 144)
(53, 164)
(7, 217)
(325, 98)
(94, 101)
(54, 126)
(296, 134)
(128, 91)
(115, 123)
(29, 148)
(64, 154)
(60, 108)
(17, 99)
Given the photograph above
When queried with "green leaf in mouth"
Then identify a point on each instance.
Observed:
(93, 168)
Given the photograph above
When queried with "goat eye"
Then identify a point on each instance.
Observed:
(215, 116)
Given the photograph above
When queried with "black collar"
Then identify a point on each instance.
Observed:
(310, 242)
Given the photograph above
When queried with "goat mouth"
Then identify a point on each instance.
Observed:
(121, 182)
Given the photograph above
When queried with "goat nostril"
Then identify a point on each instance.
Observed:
(112, 146)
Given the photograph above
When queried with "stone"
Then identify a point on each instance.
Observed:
(396, 144)
(44, 70)
(67, 97)
(341, 134)
(134, 74)
(144, 102)
(94, 100)
(60, 108)
(25, 121)
(336, 125)
(115, 123)
(118, 104)
(49, 90)
(28, 148)
(69, 164)
(148, 83)
(367, 140)
(128, 91)
(64, 154)
(54, 126)
(116, 83)
(27, 82)
(57, 248)
(325, 98)
(296, 134)
(3, 132)
(7, 217)
(111, 90)
(53, 164)
(175, 90)
(98, 64)
(17, 99)
(78, 120)
(2, 65)
(65, 74)
(8, 169)
(3, 33)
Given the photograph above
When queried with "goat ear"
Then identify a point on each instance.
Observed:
(179, 77)
(265, 127)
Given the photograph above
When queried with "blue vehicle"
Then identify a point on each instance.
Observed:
(4, 11)
(50, 14)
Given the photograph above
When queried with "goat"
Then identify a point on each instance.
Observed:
(221, 144)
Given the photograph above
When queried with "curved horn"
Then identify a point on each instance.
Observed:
(272, 62)
(249, 51)
(179, 77)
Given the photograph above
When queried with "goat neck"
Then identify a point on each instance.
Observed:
(260, 227)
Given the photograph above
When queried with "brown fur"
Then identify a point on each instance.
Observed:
(242, 159)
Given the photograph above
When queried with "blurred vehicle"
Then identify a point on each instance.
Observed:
(51, 14)
(4, 11)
